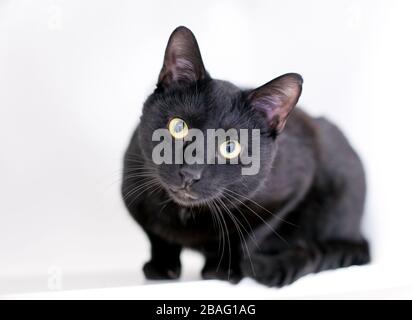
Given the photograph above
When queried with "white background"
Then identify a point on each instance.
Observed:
(74, 74)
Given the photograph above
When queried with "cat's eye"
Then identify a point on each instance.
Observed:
(230, 149)
(178, 128)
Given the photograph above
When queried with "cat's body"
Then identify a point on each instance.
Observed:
(300, 214)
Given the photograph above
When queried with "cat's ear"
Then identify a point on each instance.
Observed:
(277, 98)
(182, 62)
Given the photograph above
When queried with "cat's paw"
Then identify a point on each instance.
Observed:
(276, 270)
(213, 273)
(157, 271)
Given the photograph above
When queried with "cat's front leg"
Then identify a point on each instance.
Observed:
(165, 261)
(222, 265)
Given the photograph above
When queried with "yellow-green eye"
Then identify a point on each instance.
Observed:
(230, 149)
(178, 128)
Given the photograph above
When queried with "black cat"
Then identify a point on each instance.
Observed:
(301, 213)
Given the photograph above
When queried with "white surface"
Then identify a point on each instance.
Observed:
(350, 283)
(73, 76)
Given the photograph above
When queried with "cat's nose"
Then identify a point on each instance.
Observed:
(190, 175)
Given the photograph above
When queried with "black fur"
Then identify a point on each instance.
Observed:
(300, 214)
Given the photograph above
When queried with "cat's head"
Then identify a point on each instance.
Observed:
(187, 98)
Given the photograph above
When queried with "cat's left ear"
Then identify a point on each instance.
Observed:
(277, 98)
(182, 62)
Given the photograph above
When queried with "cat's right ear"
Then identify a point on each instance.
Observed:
(182, 63)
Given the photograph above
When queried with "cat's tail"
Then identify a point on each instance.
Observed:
(288, 265)
(339, 254)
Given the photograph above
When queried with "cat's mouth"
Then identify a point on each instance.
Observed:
(184, 196)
